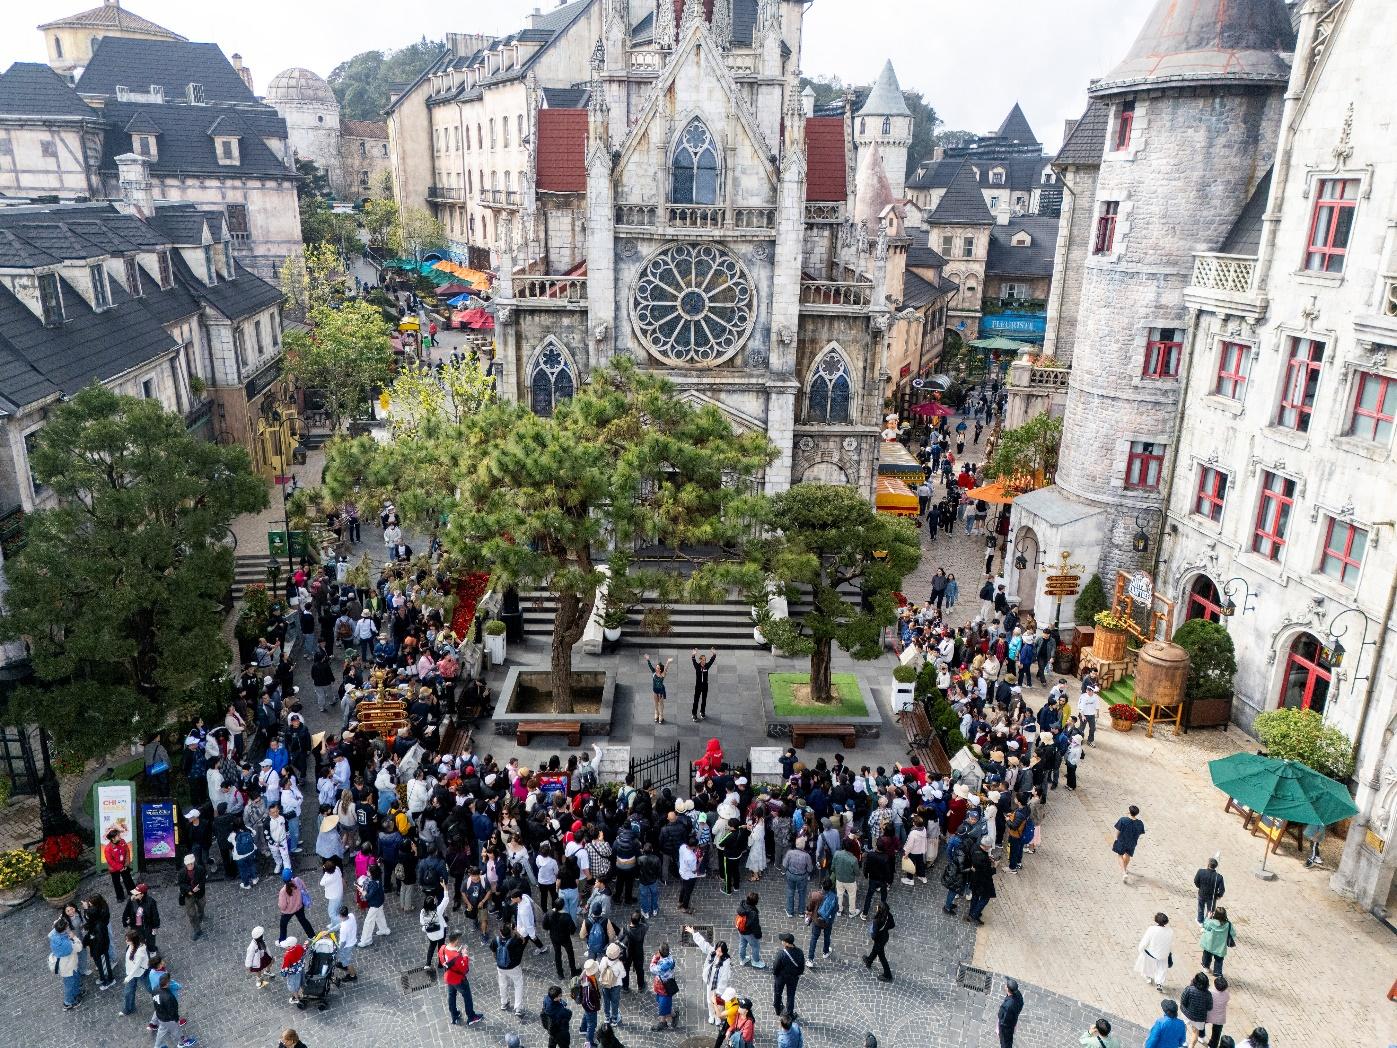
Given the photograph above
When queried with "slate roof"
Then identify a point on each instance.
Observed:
(240, 297)
(142, 123)
(550, 26)
(111, 16)
(934, 174)
(1244, 238)
(921, 254)
(886, 97)
(1016, 127)
(225, 125)
(33, 89)
(562, 150)
(1087, 142)
(962, 204)
(364, 128)
(917, 291)
(826, 167)
(186, 145)
(565, 97)
(184, 223)
(173, 64)
(1035, 260)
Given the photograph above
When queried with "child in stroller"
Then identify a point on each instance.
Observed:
(320, 970)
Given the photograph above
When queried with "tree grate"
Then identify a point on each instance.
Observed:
(416, 979)
(974, 978)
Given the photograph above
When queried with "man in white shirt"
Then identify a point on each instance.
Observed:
(1088, 706)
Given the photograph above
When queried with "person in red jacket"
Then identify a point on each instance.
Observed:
(456, 966)
(116, 853)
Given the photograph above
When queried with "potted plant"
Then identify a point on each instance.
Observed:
(495, 641)
(903, 688)
(59, 888)
(1212, 665)
(20, 871)
(1109, 642)
(1123, 717)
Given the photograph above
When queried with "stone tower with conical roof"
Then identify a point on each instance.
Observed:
(1192, 124)
(885, 121)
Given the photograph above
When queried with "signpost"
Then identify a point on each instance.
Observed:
(114, 804)
(1066, 582)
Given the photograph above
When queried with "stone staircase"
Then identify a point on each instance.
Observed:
(247, 569)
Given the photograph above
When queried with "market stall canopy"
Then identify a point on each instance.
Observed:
(895, 497)
(479, 320)
(896, 461)
(931, 409)
(994, 492)
(1001, 344)
(1282, 789)
(454, 288)
(459, 300)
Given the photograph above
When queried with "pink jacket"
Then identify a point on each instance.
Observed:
(290, 902)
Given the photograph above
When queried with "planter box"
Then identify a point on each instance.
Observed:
(495, 648)
(507, 721)
(1109, 645)
(869, 726)
(1207, 713)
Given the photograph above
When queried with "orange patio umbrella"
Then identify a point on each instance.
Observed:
(993, 492)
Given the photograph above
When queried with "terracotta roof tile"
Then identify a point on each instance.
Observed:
(825, 164)
(562, 150)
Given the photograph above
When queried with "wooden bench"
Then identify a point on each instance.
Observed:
(922, 742)
(843, 732)
(572, 729)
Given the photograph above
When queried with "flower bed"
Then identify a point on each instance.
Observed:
(19, 867)
(469, 589)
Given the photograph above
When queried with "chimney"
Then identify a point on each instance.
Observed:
(535, 17)
(807, 100)
(242, 70)
(1068, 126)
(133, 174)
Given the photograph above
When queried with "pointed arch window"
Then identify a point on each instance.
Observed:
(887, 125)
(831, 390)
(694, 166)
(551, 381)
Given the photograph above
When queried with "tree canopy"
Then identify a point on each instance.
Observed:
(1027, 454)
(362, 83)
(345, 355)
(827, 537)
(118, 589)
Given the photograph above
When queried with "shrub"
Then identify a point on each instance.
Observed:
(1109, 620)
(495, 628)
(59, 884)
(655, 621)
(926, 680)
(1121, 712)
(1302, 735)
(1090, 601)
(904, 674)
(19, 867)
(1212, 659)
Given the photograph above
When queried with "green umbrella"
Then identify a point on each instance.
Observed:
(1281, 789)
(1000, 343)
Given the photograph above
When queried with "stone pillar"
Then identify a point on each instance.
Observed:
(601, 245)
(133, 175)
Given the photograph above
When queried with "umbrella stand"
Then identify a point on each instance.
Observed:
(1261, 872)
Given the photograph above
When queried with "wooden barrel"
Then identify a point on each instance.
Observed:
(1161, 674)
(1109, 645)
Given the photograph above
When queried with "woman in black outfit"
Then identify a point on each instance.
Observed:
(879, 929)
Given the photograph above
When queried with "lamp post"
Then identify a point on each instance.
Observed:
(1334, 652)
(1229, 606)
(1140, 543)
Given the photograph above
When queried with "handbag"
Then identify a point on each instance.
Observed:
(670, 986)
(1231, 939)
(908, 866)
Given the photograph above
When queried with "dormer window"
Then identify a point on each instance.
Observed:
(144, 145)
(195, 94)
(1048, 176)
(101, 297)
(133, 277)
(228, 258)
(210, 271)
(1021, 239)
(997, 176)
(227, 149)
(50, 299)
(167, 276)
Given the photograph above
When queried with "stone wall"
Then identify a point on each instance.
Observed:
(1074, 231)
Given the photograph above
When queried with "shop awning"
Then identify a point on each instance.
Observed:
(896, 461)
(895, 498)
(1000, 344)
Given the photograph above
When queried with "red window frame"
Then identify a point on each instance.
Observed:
(1374, 422)
(1338, 559)
(1125, 124)
(1201, 606)
(1106, 227)
(1331, 224)
(1315, 670)
(1144, 465)
(1273, 515)
(1234, 368)
(1302, 369)
(1211, 495)
(1162, 353)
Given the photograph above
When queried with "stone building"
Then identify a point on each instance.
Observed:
(1270, 407)
(184, 110)
(958, 228)
(147, 300)
(353, 154)
(884, 123)
(70, 41)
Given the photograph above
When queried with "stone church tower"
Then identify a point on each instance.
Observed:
(884, 123)
(1193, 113)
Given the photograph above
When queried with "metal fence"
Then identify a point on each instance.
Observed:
(659, 769)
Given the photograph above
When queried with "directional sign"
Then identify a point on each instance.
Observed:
(1063, 585)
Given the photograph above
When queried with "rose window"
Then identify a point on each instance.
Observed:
(693, 305)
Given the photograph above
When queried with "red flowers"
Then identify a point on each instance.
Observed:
(1121, 712)
(59, 849)
(469, 589)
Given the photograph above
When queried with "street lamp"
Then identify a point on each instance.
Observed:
(1333, 653)
(1228, 606)
(277, 425)
(1020, 561)
(1141, 542)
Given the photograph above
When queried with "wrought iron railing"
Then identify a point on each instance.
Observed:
(445, 193)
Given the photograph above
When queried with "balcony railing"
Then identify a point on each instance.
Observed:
(816, 212)
(1048, 378)
(834, 293)
(499, 197)
(740, 62)
(1225, 274)
(570, 290)
(644, 61)
(637, 214)
(697, 216)
(754, 217)
(1013, 305)
(445, 193)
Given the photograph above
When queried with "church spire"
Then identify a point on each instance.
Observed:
(664, 23)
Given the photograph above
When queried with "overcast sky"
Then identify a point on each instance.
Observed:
(972, 59)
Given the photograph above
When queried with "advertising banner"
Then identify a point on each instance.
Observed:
(159, 839)
(114, 804)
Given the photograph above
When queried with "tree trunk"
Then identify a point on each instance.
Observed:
(568, 627)
(821, 689)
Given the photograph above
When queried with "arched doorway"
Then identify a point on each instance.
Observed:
(1026, 553)
(825, 473)
(1204, 601)
(1306, 677)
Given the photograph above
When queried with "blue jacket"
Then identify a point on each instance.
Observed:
(1167, 1032)
(791, 1038)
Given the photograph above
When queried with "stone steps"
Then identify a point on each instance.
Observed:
(248, 568)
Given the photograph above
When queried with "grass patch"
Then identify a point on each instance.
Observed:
(788, 702)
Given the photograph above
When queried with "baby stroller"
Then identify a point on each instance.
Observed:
(320, 970)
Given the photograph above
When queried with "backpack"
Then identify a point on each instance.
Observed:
(243, 842)
(575, 988)
(502, 958)
(740, 923)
